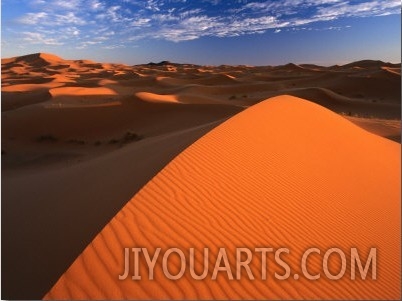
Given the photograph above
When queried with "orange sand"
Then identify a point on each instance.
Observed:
(284, 173)
(75, 91)
(63, 129)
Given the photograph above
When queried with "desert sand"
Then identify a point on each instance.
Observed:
(98, 157)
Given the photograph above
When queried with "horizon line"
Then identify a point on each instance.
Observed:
(212, 65)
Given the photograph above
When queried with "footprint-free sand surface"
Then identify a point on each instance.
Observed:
(302, 185)
(98, 157)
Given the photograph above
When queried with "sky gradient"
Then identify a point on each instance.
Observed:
(213, 32)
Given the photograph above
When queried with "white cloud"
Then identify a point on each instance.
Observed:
(38, 38)
(69, 18)
(85, 44)
(46, 19)
(112, 47)
(60, 5)
(32, 18)
(372, 8)
(191, 12)
(71, 4)
(104, 38)
(71, 31)
(181, 20)
(164, 18)
(141, 22)
(96, 5)
(152, 5)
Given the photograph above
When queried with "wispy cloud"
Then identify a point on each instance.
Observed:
(112, 47)
(365, 9)
(33, 18)
(59, 5)
(47, 19)
(38, 38)
(181, 20)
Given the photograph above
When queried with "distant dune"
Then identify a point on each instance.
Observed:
(370, 64)
(82, 138)
(283, 173)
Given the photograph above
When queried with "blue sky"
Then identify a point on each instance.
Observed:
(266, 32)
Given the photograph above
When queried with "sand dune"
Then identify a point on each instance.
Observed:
(371, 82)
(183, 98)
(74, 91)
(210, 79)
(396, 70)
(157, 98)
(291, 67)
(72, 126)
(347, 106)
(48, 140)
(31, 87)
(101, 123)
(302, 185)
(14, 100)
(365, 64)
(37, 59)
(385, 128)
(57, 199)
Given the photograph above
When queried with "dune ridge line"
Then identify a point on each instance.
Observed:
(285, 172)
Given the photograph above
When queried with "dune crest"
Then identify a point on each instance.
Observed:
(183, 98)
(40, 58)
(284, 173)
(151, 97)
(75, 91)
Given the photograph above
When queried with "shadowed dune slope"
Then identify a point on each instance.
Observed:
(284, 173)
(49, 208)
(36, 59)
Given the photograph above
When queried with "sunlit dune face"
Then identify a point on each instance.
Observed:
(284, 173)
(396, 71)
(31, 87)
(79, 91)
(287, 172)
(157, 98)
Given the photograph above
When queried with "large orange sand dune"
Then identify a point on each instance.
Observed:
(284, 173)
(65, 149)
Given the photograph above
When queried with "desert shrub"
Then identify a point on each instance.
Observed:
(128, 137)
(46, 138)
(113, 141)
(76, 141)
